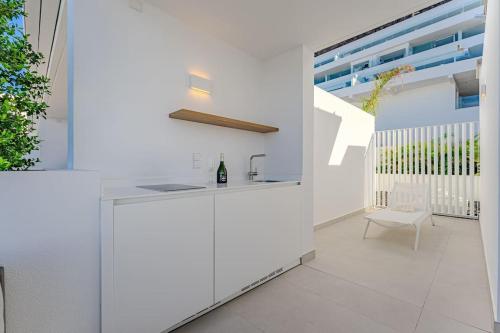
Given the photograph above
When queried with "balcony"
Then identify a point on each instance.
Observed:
(356, 81)
(472, 44)
(467, 33)
(466, 7)
(393, 56)
(443, 55)
(434, 43)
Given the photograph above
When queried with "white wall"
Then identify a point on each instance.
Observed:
(129, 79)
(282, 101)
(49, 246)
(287, 100)
(53, 133)
(308, 175)
(342, 134)
(124, 93)
(490, 153)
(433, 104)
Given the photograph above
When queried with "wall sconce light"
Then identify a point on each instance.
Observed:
(200, 84)
(483, 90)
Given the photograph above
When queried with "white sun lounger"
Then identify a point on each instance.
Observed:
(409, 204)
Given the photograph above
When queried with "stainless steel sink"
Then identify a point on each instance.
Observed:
(170, 187)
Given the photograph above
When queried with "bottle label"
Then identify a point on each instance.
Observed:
(222, 178)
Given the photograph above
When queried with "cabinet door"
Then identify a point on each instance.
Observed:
(163, 261)
(256, 232)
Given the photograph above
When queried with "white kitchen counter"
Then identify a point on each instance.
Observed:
(204, 246)
(133, 192)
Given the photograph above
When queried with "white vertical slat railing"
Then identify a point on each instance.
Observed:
(435, 170)
(456, 173)
(450, 166)
(463, 172)
(428, 169)
(444, 157)
(441, 167)
(473, 171)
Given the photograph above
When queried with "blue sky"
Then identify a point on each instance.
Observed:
(19, 21)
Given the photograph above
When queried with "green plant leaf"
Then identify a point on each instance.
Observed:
(22, 91)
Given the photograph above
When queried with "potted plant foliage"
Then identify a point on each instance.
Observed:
(22, 90)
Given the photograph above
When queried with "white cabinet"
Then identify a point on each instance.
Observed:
(166, 259)
(163, 262)
(256, 233)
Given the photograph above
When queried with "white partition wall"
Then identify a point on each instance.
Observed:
(287, 98)
(490, 146)
(49, 247)
(343, 166)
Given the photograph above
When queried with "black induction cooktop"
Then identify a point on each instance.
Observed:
(170, 187)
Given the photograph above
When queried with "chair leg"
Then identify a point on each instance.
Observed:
(366, 229)
(417, 237)
(432, 221)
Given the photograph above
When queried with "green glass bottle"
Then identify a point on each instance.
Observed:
(221, 171)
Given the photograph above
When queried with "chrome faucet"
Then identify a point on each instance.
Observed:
(252, 173)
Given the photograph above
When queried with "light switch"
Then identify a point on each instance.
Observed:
(196, 160)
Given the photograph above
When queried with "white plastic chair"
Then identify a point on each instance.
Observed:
(409, 204)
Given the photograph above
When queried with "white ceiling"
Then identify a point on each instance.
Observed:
(46, 25)
(265, 28)
(41, 25)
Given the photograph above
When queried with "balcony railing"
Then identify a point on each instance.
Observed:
(472, 44)
(443, 157)
(464, 8)
(371, 75)
(434, 43)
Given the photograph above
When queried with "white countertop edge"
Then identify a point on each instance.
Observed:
(132, 192)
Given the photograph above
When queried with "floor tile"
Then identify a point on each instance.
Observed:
(462, 275)
(385, 263)
(431, 322)
(389, 311)
(375, 285)
(282, 307)
(220, 320)
(467, 304)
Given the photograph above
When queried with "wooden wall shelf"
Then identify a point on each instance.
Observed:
(206, 118)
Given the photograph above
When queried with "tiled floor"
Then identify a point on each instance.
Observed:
(375, 285)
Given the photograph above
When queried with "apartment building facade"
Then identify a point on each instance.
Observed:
(444, 45)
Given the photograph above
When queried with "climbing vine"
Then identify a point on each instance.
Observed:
(371, 102)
